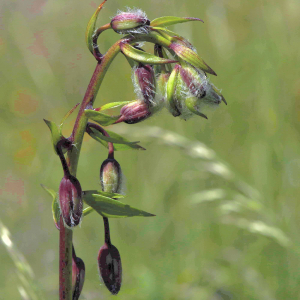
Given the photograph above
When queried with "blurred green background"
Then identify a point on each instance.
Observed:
(225, 190)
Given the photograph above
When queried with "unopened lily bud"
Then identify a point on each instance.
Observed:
(78, 274)
(133, 21)
(110, 267)
(134, 112)
(111, 176)
(70, 200)
(144, 83)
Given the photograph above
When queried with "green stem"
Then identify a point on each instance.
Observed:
(65, 243)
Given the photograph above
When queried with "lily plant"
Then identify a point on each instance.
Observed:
(173, 77)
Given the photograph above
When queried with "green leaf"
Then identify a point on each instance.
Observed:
(106, 194)
(55, 205)
(91, 28)
(55, 133)
(87, 211)
(113, 105)
(100, 118)
(143, 57)
(169, 20)
(66, 116)
(111, 208)
(191, 57)
(120, 143)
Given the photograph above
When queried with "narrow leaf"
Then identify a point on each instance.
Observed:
(113, 105)
(100, 118)
(191, 57)
(120, 143)
(55, 133)
(87, 211)
(91, 28)
(169, 20)
(55, 205)
(66, 116)
(106, 194)
(110, 208)
(142, 56)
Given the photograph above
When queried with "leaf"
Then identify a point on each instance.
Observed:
(120, 143)
(87, 211)
(111, 208)
(100, 118)
(142, 56)
(106, 194)
(66, 116)
(191, 57)
(55, 205)
(113, 105)
(55, 133)
(170, 20)
(91, 28)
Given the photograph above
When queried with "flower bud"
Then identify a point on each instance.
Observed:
(78, 274)
(110, 267)
(144, 83)
(70, 200)
(111, 176)
(130, 22)
(134, 112)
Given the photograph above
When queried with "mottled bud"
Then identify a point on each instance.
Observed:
(110, 267)
(133, 21)
(134, 112)
(144, 83)
(70, 200)
(78, 274)
(111, 176)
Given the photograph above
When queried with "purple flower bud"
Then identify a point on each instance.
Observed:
(144, 83)
(78, 274)
(70, 200)
(131, 21)
(134, 112)
(111, 176)
(110, 267)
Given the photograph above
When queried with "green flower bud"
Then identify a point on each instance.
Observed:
(132, 21)
(111, 176)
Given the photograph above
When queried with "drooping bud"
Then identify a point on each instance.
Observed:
(70, 200)
(110, 267)
(134, 112)
(111, 176)
(143, 78)
(78, 274)
(132, 21)
(171, 101)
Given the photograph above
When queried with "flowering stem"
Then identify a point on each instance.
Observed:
(65, 242)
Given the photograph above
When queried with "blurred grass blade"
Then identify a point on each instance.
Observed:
(29, 284)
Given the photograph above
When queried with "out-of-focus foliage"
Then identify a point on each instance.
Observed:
(224, 190)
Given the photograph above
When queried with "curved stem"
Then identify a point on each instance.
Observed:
(110, 144)
(65, 244)
(97, 52)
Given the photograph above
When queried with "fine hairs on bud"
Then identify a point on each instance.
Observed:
(131, 14)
